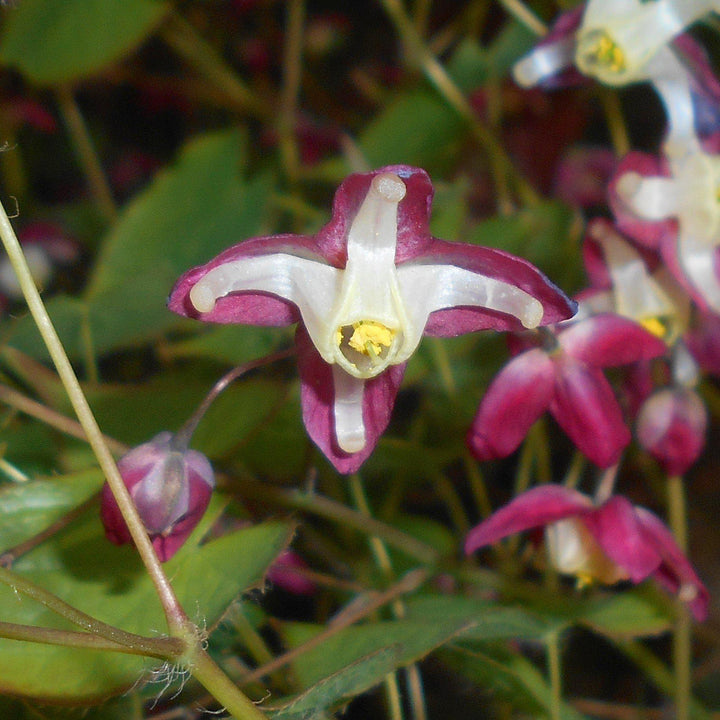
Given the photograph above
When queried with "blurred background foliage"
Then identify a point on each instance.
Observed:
(155, 134)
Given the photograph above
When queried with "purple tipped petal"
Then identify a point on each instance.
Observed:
(318, 399)
(647, 232)
(500, 266)
(610, 340)
(516, 398)
(585, 407)
(246, 308)
(620, 535)
(537, 507)
(675, 573)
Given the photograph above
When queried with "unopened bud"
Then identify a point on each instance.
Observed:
(171, 489)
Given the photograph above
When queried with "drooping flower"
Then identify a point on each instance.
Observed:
(365, 289)
(621, 42)
(672, 204)
(562, 372)
(608, 543)
(171, 488)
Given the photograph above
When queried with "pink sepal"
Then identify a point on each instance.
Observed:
(609, 340)
(586, 409)
(516, 398)
(318, 397)
(540, 506)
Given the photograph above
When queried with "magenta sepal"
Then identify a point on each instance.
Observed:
(171, 490)
(632, 538)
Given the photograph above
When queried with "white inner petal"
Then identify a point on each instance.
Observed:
(651, 198)
(311, 285)
(697, 257)
(427, 288)
(544, 62)
(348, 411)
(637, 295)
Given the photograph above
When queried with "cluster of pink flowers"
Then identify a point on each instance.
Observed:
(373, 281)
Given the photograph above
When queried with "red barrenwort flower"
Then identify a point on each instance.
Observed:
(171, 487)
(611, 542)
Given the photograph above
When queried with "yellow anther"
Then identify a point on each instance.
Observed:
(370, 337)
(608, 53)
(583, 580)
(661, 327)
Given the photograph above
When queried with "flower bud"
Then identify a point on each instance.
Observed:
(671, 427)
(171, 489)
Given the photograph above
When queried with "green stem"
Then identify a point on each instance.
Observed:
(522, 13)
(173, 612)
(292, 74)
(554, 667)
(184, 40)
(86, 153)
(164, 648)
(500, 161)
(216, 682)
(53, 418)
(345, 516)
(682, 636)
(145, 646)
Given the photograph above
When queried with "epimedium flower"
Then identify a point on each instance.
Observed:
(365, 288)
(608, 543)
(671, 203)
(171, 487)
(561, 371)
(621, 42)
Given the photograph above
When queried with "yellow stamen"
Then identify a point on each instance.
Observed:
(661, 327)
(370, 337)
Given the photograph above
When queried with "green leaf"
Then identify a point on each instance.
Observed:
(52, 42)
(636, 613)
(547, 235)
(508, 676)
(28, 508)
(356, 659)
(190, 213)
(109, 583)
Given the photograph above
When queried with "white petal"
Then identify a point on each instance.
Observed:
(427, 288)
(348, 411)
(311, 285)
(651, 198)
(544, 62)
(637, 295)
(697, 258)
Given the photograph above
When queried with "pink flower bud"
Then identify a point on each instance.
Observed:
(671, 427)
(171, 489)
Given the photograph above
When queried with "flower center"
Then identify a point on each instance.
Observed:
(598, 49)
(365, 344)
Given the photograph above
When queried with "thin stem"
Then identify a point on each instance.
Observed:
(181, 36)
(53, 418)
(410, 582)
(22, 585)
(500, 161)
(175, 616)
(86, 153)
(682, 636)
(606, 484)
(615, 122)
(345, 516)
(182, 438)
(215, 681)
(384, 563)
(522, 13)
(9, 556)
(554, 667)
(575, 470)
(15, 474)
(162, 648)
(292, 74)
(477, 485)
